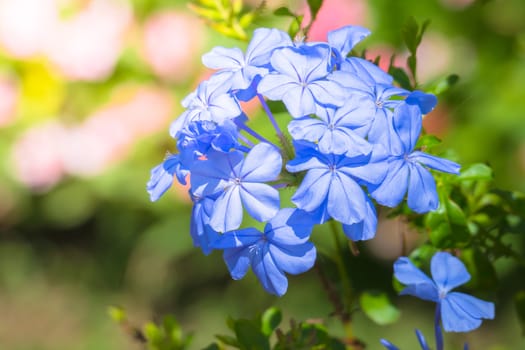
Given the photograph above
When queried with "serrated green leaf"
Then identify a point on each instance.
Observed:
(378, 308)
(478, 171)
(250, 336)
(270, 319)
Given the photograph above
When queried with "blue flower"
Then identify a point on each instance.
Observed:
(239, 182)
(243, 70)
(407, 169)
(459, 312)
(300, 80)
(212, 100)
(162, 176)
(339, 131)
(282, 248)
(332, 182)
(201, 232)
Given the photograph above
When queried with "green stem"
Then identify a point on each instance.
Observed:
(347, 287)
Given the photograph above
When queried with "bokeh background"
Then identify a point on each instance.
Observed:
(87, 91)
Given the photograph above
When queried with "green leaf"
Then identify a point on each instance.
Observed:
(483, 274)
(443, 84)
(378, 308)
(448, 225)
(228, 340)
(212, 346)
(250, 336)
(400, 77)
(409, 32)
(519, 303)
(315, 6)
(284, 12)
(478, 171)
(270, 319)
(295, 26)
(153, 334)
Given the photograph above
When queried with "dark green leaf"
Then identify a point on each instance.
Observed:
(480, 268)
(250, 336)
(443, 84)
(519, 303)
(409, 33)
(448, 225)
(212, 346)
(400, 77)
(315, 6)
(378, 308)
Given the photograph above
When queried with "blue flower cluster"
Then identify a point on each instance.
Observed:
(353, 136)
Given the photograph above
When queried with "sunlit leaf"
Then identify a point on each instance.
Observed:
(378, 308)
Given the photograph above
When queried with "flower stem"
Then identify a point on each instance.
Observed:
(251, 132)
(437, 328)
(343, 273)
(270, 116)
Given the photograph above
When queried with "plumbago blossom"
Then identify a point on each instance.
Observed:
(353, 136)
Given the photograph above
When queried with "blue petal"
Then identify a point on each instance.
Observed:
(417, 283)
(289, 226)
(463, 313)
(299, 101)
(422, 340)
(388, 345)
(365, 229)
(346, 200)
(307, 128)
(407, 124)
(263, 163)
(263, 43)
(425, 102)
(238, 261)
(394, 186)
(238, 238)
(261, 201)
(294, 259)
(223, 58)
(313, 189)
(345, 38)
(434, 162)
(271, 277)
(212, 175)
(422, 193)
(227, 211)
(448, 271)
(162, 177)
(367, 71)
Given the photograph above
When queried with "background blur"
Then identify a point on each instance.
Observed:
(87, 91)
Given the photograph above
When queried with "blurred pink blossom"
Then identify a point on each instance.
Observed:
(108, 135)
(172, 40)
(45, 153)
(25, 25)
(87, 46)
(335, 14)
(37, 156)
(8, 101)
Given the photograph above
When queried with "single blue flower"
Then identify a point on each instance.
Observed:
(239, 181)
(282, 248)
(332, 182)
(162, 176)
(459, 312)
(339, 131)
(243, 69)
(300, 80)
(407, 169)
(212, 101)
(201, 136)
